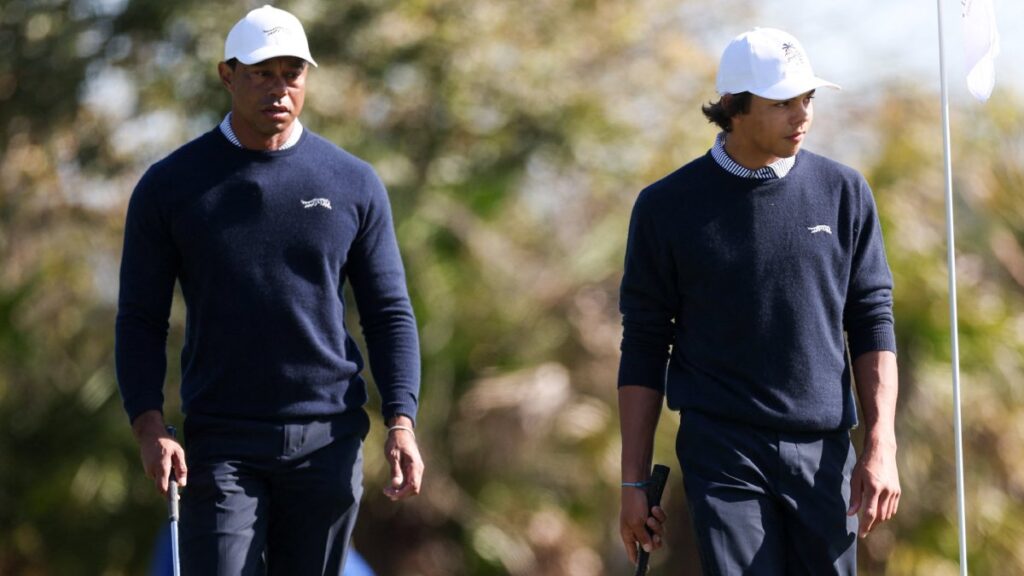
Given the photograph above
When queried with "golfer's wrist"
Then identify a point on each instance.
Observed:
(399, 428)
(879, 442)
(632, 479)
(400, 425)
(149, 424)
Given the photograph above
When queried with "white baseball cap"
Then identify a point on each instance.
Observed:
(769, 63)
(266, 33)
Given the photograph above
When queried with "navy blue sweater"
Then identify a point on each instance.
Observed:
(744, 289)
(262, 244)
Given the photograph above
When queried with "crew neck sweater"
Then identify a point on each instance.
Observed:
(737, 293)
(262, 244)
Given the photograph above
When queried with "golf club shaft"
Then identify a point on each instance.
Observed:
(172, 512)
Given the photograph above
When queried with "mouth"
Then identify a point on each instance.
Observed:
(276, 112)
(796, 137)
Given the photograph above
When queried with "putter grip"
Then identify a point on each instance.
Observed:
(659, 477)
(172, 488)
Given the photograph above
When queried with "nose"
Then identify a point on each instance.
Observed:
(278, 87)
(802, 113)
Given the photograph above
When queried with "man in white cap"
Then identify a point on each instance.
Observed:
(755, 285)
(262, 222)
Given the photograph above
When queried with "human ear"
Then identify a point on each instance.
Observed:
(226, 75)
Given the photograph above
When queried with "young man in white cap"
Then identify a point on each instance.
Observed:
(755, 284)
(262, 222)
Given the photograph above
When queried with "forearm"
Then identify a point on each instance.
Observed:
(639, 410)
(877, 387)
(875, 484)
(140, 340)
(386, 315)
(148, 273)
(141, 364)
(395, 363)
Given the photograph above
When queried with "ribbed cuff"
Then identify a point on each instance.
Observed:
(873, 339)
(139, 404)
(642, 370)
(395, 409)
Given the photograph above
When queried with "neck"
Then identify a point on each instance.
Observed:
(744, 155)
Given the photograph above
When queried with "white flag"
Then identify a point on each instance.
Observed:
(981, 41)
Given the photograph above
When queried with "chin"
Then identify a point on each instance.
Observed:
(276, 128)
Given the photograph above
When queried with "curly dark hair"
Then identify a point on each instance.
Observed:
(728, 105)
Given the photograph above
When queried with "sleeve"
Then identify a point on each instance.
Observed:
(385, 311)
(867, 316)
(648, 300)
(149, 268)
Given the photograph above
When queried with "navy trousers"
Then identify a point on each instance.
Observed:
(768, 503)
(269, 498)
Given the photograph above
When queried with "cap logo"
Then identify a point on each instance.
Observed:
(793, 54)
(266, 33)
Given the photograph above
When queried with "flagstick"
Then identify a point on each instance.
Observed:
(951, 256)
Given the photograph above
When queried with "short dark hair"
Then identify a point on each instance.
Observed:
(233, 62)
(728, 105)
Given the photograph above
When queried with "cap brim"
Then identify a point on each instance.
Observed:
(268, 52)
(793, 87)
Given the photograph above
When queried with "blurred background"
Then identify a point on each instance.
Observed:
(513, 138)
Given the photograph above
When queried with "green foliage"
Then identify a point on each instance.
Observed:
(513, 138)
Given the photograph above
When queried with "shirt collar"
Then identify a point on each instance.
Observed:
(777, 169)
(229, 133)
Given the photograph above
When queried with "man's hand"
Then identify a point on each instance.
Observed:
(403, 455)
(875, 486)
(634, 517)
(160, 452)
(639, 409)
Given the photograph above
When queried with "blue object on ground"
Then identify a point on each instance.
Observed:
(162, 563)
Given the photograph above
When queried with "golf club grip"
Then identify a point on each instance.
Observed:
(659, 477)
(172, 488)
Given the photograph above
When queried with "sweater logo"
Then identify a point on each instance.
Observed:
(820, 228)
(322, 202)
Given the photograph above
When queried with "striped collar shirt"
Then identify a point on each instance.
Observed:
(777, 169)
(229, 133)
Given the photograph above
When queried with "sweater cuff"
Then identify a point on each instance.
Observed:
(394, 409)
(139, 404)
(873, 339)
(642, 370)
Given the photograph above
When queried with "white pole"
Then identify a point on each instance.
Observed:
(951, 256)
